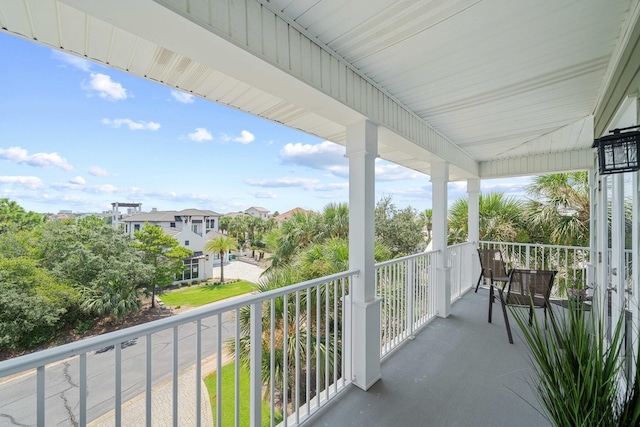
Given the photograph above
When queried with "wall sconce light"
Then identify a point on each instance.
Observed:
(206, 257)
(618, 153)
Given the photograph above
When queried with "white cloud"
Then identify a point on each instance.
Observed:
(93, 189)
(391, 172)
(23, 181)
(324, 156)
(331, 187)
(43, 160)
(72, 60)
(116, 123)
(245, 137)
(98, 171)
(78, 180)
(264, 194)
(282, 182)
(201, 134)
(182, 97)
(105, 87)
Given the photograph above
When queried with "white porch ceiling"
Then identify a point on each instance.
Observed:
(495, 87)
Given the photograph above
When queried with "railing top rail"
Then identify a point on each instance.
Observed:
(405, 258)
(462, 244)
(44, 357)
(537, 245)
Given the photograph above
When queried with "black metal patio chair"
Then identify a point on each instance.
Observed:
(525, 288)
(492, 267)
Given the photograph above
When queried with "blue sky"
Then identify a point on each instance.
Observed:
(76, 135)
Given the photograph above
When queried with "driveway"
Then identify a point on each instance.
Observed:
(237, 269)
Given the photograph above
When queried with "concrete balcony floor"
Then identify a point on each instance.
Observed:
(460, 371)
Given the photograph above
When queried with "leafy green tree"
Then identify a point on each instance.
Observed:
(221, 245)
(163, 253)
(398, 229)
(89, 254)
(13, 215)
(500, 219)
(35, 304)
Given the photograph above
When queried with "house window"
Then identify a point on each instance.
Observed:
(211, 224)
(186, 243)
(136, 227)
(190, 270)
(172, 224)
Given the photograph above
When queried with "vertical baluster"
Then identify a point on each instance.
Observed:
(148, 381)
(327, 339)
(219, 371)
(285, 362)
(256, 365)
(118, 391)
(344, 335)
(237, 370)
(272, 360)
(83, 389)
(335, 335)
(318, 339)
(175, 376)
(410, 280)
(40, 413)
(308, 353)
(198, 371)
(297, 363)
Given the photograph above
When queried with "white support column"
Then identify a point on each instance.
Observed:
(473, 225)
(439, 181)
(362, 150)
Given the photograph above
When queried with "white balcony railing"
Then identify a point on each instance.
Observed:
(292, 348)
(405, 286)
(571, 262)
(460, 259)
(295, 331)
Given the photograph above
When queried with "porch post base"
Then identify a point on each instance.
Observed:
(366, 343)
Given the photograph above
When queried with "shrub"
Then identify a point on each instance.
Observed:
(577, 374)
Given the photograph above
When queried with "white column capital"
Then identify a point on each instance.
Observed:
(473, 185)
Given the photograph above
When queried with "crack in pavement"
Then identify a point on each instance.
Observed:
(65, 401)
(13, 420)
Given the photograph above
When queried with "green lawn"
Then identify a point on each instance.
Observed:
(200, 295)
(228, 398)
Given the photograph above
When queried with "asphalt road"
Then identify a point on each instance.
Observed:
(18, 395)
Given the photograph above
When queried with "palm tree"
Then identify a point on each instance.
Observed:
(561, 209)
(500, 219)
(335, 219)
(426, 217)
(224, 224)
(221, 245)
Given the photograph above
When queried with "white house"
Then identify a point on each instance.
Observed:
(192, 228)
(258, 212)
